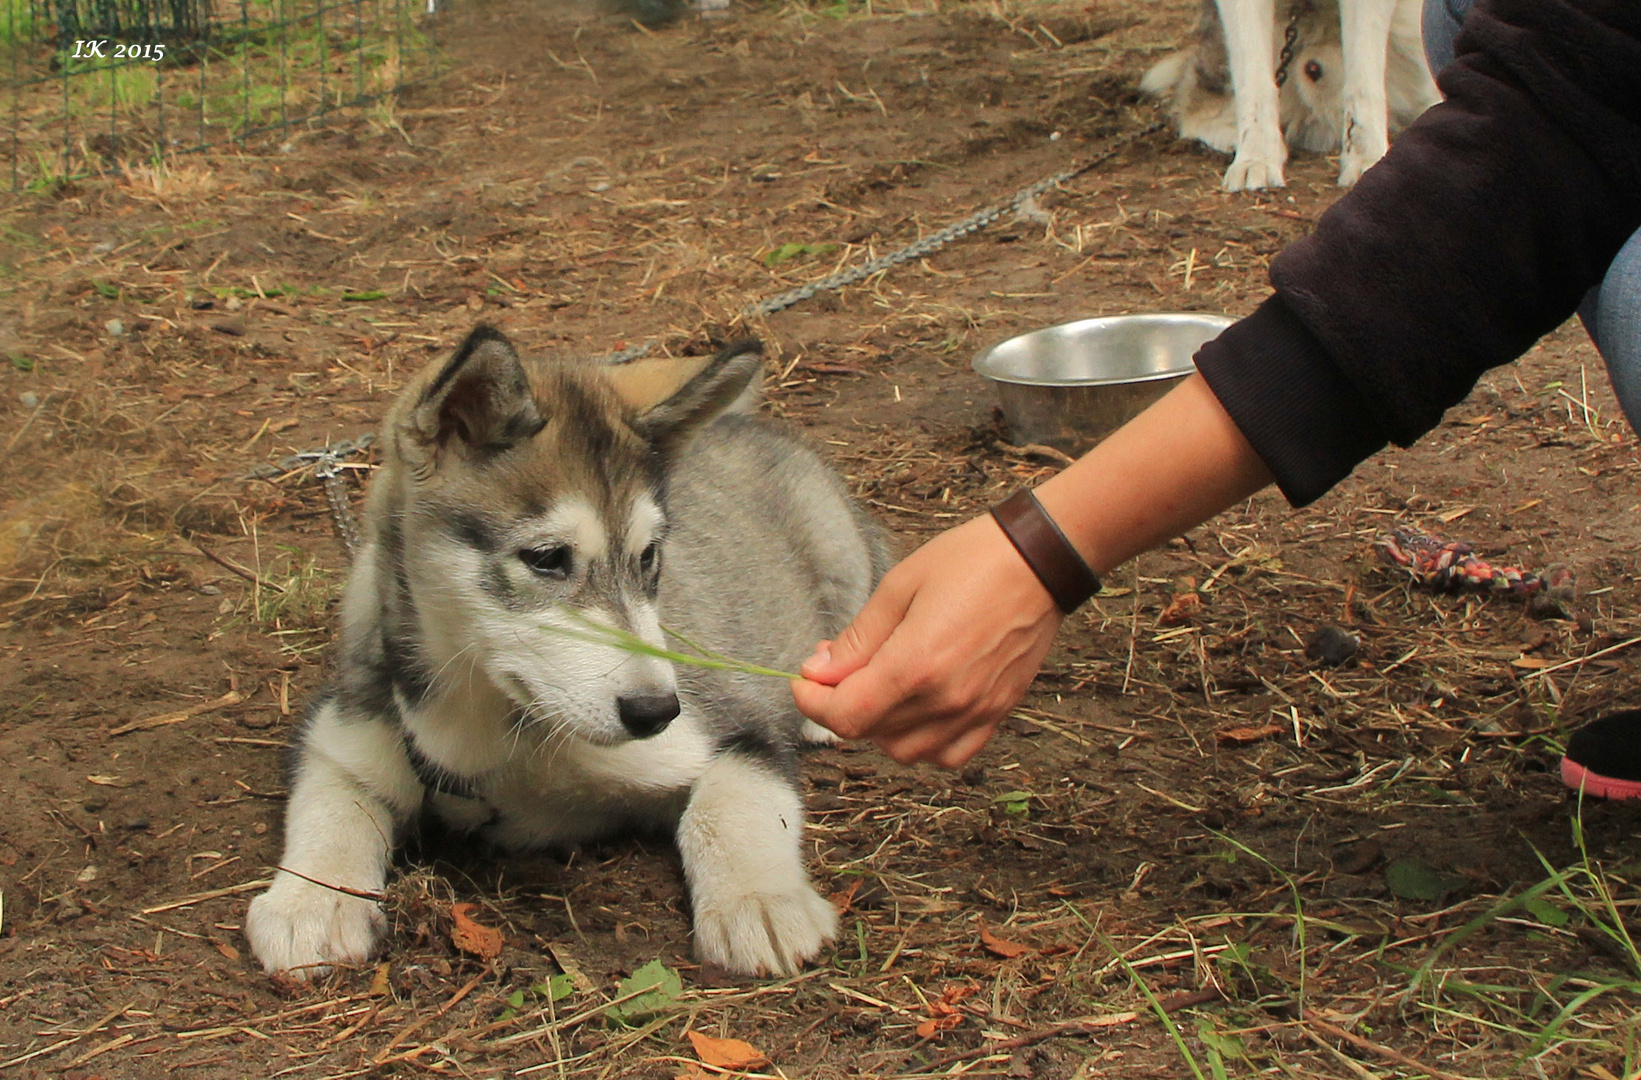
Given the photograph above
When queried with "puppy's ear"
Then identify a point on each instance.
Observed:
(712, 391)
(480, 401)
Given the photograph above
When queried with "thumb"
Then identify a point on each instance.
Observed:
(857, 643)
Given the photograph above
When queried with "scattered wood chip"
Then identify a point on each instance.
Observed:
(843, 898)
(1180, 609)
(995, 945)
(1242, 736)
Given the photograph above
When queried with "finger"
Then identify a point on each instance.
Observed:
(946, 743)
(818, 662)
(858, 642)
(957, 753)
(848, 711)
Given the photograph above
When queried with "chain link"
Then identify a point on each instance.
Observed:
(1290, 42)
(326, 466)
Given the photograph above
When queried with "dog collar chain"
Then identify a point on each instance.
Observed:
(1046, 550)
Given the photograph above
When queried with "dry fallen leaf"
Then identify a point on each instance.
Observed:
(470, 937)
(731, 1054)
(995, 945)
(928, 1029)
(843, 898)
(226, 949)
(1242, 736)
(1180, 608)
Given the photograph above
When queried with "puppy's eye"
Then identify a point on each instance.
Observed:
(554, 562)
(650, 558)
(1313, 71)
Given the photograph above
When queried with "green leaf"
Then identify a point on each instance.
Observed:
(557, 988)
(106, 291)
(788, 252)
(1411, 878)
(1547, 913)
(663, 986)
(553, 989)
(1014, 802)
(21, 363)
(360, 297)
(1225, 1045)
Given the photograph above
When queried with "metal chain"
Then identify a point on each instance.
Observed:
(326, 463)
(917, 249)
(326, 466)
(1290, 43)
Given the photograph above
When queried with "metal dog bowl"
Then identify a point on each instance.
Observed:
(1069, 386)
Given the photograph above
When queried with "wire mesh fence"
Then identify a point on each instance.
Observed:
(94, 84)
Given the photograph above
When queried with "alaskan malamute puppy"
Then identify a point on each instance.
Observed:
(518, 502)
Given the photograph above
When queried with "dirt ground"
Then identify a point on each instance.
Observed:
(1192, 851)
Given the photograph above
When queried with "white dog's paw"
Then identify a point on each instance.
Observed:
(765, 933)
(812, 734)
(1352, 166)
(1252, 173)
(301, 928)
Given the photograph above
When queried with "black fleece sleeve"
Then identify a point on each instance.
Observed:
(1477, 234)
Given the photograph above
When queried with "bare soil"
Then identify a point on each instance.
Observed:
(1196, 794)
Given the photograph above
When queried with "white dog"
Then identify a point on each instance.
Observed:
(1357, 70)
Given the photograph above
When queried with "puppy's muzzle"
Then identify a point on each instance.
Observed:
(644, 715)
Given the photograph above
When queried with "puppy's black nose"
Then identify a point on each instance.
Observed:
(644, 715)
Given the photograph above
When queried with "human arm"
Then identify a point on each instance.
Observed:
(956, 632)
(1477, 234)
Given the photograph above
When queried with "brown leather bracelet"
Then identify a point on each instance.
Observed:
(1046, 550)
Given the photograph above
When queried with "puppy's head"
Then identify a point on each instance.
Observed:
(535, 526)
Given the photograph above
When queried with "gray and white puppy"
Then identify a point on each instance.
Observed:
(517, 502)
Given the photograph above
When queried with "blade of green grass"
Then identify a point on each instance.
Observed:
(597, 633)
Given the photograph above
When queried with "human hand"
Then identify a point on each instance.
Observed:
(940, 653)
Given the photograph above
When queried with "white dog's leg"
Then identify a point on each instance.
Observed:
(740, 836)
(1364, 27)
(1260, 151)
(353, 784)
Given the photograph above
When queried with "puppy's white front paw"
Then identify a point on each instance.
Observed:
(1251, 173)
(1352, 166)
(812, 734)
(301, 928)
(764, 933)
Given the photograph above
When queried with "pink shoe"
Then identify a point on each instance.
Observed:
(1604, 757)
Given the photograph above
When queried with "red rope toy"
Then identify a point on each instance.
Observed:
(1451, 565)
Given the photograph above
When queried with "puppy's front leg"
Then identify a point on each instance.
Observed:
(740, 837)
(1260, 151)
(1364, 29)
(353, 786)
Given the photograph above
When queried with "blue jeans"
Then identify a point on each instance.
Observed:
(1612, 310)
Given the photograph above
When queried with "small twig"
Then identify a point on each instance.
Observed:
(1379, 1050)
(234, 568)
(1582, 660)
(214, 894)
(20, 432)
(363, 894)
(1090, 1026)
(232, 697)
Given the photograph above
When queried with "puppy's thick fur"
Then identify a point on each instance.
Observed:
(1357, 75)
(519, 502)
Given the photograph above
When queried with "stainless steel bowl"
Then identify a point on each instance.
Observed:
(1069, 386)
